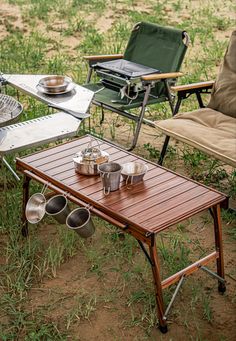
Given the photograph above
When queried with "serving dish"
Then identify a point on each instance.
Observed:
(52, 85)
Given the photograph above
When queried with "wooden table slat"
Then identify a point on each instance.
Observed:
(45, 167)
(56, 170)
(123, 192)
(71, 177)
(92, 179)
(55, 150)
(155, 196)
(182, 211)
(165, 205)
(67, 155)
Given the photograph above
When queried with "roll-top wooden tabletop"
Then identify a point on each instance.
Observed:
(164, 198)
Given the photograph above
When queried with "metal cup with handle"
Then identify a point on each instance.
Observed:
(58, 208)
(35, 207)
(110, 175)
(81, 222)
(133, 172)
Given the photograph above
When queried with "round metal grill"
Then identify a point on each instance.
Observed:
(10, 109)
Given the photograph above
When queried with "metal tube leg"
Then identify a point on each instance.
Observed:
(10, 168)
(219, 247)
(158, 287)
(177, 106)
(170, 99)
(102, 116)
(163, 151)
(89, 75)
(24, 229)
(140, 120)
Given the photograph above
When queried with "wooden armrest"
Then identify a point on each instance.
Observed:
(159, 76)
(199, 85)
(104, 57)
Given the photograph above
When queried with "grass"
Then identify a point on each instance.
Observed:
(52, 37)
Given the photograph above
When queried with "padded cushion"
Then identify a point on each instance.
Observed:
(205, 129)
(223, 97)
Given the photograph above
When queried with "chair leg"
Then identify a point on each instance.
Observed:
(163, 151)
(199, 98)
(90, 71)
(141, 116)
(169, 96)
(102, 116)
(175, 110)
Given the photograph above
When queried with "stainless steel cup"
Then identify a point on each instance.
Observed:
(35, 208)
(58, 208)
(133, 172)
(80, 221)
(110, 175)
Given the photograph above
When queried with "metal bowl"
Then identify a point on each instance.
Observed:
(133, 172)
(55, 84)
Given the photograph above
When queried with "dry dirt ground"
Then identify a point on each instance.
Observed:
(111, 318)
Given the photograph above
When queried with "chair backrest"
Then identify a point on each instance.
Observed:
(223, 96)
(162, 48)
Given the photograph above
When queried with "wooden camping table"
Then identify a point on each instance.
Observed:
(164, 198)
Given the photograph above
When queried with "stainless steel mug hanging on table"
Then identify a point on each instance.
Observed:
(80, 221)
(58, 208)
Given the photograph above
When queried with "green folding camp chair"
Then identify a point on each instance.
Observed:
(140, 77)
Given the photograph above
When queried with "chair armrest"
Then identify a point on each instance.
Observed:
(185, 91)
(187, 87)
(161, 76)
(102, 58)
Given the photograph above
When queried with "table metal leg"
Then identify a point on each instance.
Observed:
(219, 246)
(26, 181)
(158, 287)
(10, 168)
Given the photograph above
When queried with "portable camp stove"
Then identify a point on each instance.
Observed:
(123, 76)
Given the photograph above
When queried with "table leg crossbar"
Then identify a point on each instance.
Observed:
(213, 274)
(173, 297)
(204, 268)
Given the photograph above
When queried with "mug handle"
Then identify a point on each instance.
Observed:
(88, 207)
(45, 186)
(129, 186)
(106, 192)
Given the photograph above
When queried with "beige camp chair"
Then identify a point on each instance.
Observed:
(211, 129)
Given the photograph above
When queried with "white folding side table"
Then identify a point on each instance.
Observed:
(73, 108)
